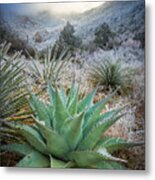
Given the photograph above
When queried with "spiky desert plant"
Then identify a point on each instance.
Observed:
(13, 94)
(12, 87)
(111, 75)
(69, 133)
(52, 66)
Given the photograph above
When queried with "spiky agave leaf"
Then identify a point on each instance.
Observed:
(113, 144)
(22, 149)
(34, 159)
(76, 135)
(73, 130)
(40, 109)
(55, 143)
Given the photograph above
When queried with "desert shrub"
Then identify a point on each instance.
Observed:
(68, 39)
(104, 37)
(111, 75)
(17, 44)
(140, 37)
(51, 67)
(68, 133)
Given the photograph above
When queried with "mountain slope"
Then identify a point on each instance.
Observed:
(29, 31)
(126, 18)
(42, 29)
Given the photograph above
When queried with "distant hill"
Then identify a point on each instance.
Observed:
(125, 18)
(30, 31)
(42, 30)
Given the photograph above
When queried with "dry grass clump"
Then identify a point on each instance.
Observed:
(111, 75)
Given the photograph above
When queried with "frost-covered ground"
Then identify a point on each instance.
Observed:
(124, 18)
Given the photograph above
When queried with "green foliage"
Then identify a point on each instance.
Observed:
(104, 36)
(111, 75)
(13, 93)
(68, 39)
(12, 87)
(68, 135)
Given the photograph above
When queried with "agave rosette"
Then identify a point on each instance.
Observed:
(69, 132)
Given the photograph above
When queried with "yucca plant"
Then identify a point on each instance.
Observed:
(13, 96)
(111, 75)
(69, 133)
(12, 87)
(52, 66)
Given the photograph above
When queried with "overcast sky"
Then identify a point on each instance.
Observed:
(59, 8)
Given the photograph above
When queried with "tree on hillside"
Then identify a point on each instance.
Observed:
(140, 37)
(67, 38)
(104, 37)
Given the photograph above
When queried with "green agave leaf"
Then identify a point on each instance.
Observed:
(33, 137)
(34, 160)
(70, 164)
(86, 158)
(52, 94)
(41, 110)
(56, 144)
(55, 163)
(87, 101)
(22, 149)
(108, 165)
(71, 93)
(106, 154)
(109, 114)
(50, 111)
(72, 107)
(61, 113)
(72, 130)
(63, 95)
(95, 134)
(113, 144)
(94, 113)
(106, 116)
(92, 109)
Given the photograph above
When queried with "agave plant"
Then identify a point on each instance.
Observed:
(69, 133)
(111, 75)
(52, 66)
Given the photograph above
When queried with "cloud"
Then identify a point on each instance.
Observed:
(57, 8)
(67, 8)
